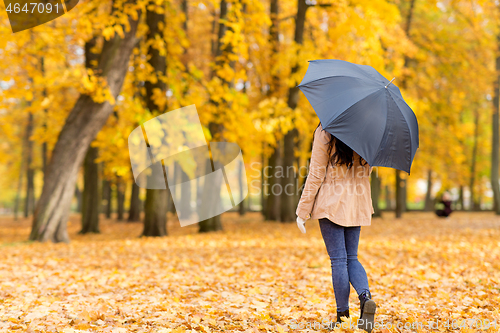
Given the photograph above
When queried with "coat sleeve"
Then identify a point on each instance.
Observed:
(317, 172)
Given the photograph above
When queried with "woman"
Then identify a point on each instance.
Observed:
(337, 193)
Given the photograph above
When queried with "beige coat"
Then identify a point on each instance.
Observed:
(343, 196)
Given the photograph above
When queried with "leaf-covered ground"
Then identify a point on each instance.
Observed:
(253, 277)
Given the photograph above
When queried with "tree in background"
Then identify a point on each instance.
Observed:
(495, 123)
(223, 100)
(84, 121)
(156, 204)
(240, 69)
(91, 196)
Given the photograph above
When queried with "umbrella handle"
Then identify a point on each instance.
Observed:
(389, 83)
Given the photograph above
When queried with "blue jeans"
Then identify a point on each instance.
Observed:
(342, 246)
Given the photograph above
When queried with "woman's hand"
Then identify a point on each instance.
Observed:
(301, 223)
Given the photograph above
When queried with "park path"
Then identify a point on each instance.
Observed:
(426, 274)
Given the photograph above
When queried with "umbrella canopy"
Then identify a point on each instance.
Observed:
(360, 107)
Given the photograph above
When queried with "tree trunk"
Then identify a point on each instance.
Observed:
(400, 181)
(213, 36)
(274, 194)
(185, 195)
(120, 198)
(91, 196)
(19, 187)
(400, 194)
(91, 193)
(270, 202)
(287, 199)
(211, 224)
(287, 213)
(375, 193)
(263, 185)
(185, 11)
(223, 52)
(242, 207)
(241, 181)
(495, 145)
(409, 17)
(157, 201)
(155, 220)
(106, 198)
(405, 193)
(80, 128)
(214, 223)
(175, 195)
(461, 197)
(134, 213)
(429, 202)
(78, 195)
(44, 144)
(388, 199)
(29, 202)
(475, 203)
(274, 40)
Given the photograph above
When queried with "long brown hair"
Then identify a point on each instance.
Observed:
(344, 155)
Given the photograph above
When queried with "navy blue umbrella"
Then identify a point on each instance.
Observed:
(360, 107)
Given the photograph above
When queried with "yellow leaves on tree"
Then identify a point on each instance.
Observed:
(96, 87)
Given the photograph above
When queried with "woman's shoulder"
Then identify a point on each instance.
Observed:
(322, 135)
